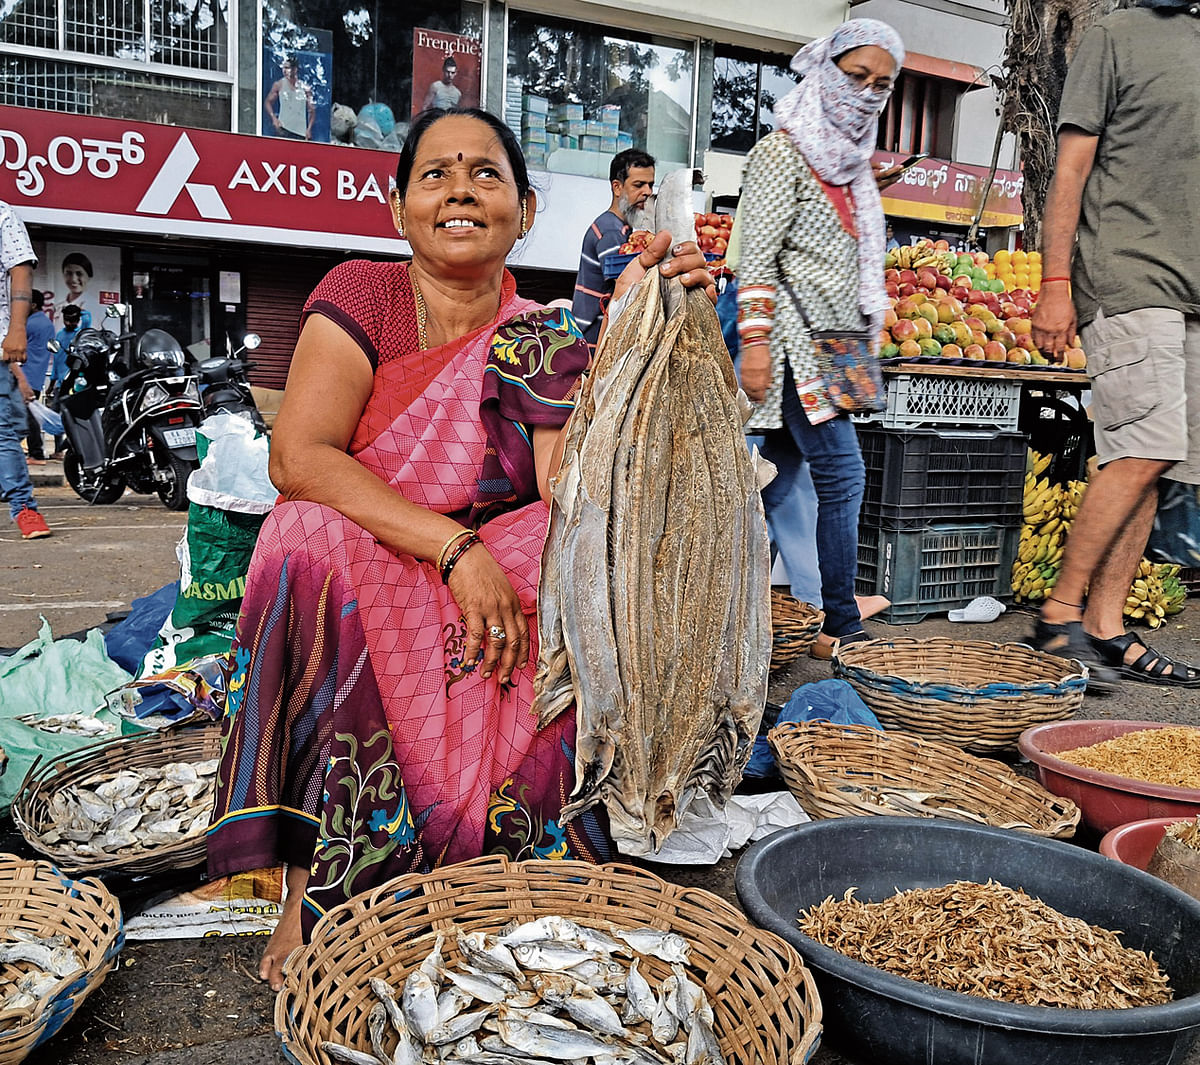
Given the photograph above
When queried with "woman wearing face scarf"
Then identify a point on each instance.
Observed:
(812, 221)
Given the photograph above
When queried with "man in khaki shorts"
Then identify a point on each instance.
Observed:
(1121, 258)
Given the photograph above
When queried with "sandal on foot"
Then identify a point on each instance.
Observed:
(1068, 640)
(825, 647)
(1150, 666)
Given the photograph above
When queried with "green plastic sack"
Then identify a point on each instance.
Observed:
(214, 557)
(45, 677)
(230, 497)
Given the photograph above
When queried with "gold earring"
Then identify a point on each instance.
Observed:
(524, 218)
(400, 226)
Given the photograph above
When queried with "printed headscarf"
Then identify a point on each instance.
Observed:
(834, 121)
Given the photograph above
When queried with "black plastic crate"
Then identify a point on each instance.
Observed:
(919, 477)
(935, 569)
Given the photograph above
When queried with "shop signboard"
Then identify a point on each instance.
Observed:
(136, 177)
(938, 190)
(445, 70)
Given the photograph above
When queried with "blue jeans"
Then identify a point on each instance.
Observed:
(836, 466)
(791, 505)
(15, 486)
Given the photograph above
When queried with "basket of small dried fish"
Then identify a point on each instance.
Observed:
(794, 627)
(138, 804)
(973, 693)
(853, 771)
(59, 938)
(499, 961)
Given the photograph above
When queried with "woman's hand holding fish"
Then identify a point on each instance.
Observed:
(687, 263)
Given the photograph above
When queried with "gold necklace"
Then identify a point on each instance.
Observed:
(422, 314)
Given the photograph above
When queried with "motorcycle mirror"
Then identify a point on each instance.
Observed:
(54, 346)
(116, 310)
(251, 341)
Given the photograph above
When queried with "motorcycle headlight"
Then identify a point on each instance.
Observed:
(153, 396)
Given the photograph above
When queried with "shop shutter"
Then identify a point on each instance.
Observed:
(276, 288)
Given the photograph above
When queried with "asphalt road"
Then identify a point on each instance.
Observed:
(197, 1002)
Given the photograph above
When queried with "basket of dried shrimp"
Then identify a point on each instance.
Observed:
(794, 627)
(748, 990)
(135, 805)
(59, 938)
(855, 771)
(975, 694)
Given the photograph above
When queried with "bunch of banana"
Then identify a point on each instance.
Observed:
(1041, 501)
(1072, 496)
(1043, 534)
(1156, 593)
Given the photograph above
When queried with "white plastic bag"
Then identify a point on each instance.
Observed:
(49, 419)
(233, 472)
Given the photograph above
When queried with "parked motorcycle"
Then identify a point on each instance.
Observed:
(130, 406)
(224, 385)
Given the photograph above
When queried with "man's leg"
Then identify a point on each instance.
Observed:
(15, 486)
(33, 436)
(1112, 527)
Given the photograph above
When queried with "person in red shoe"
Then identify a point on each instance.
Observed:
(16, 292)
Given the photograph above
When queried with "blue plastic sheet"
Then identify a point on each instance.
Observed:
(825, 700)
(128, 641)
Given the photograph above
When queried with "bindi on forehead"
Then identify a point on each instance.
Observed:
(460, 157)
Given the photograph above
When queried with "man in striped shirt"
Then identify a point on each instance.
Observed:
(631, 174)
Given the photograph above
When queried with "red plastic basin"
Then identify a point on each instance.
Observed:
(1105, 800)
(1134, 843)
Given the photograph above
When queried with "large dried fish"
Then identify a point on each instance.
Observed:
(654, 616)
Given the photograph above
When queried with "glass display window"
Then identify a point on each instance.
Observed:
(577, 94)
(356, 72)
(746, 87)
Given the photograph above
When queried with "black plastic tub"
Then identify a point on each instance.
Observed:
(880, 1019)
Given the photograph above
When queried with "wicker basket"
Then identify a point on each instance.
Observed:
(765, 1002)
(855, 771)
(794, 627)
(972, 693)
(31, 810)
(37, 898)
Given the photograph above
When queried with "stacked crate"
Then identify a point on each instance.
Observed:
(941, 514)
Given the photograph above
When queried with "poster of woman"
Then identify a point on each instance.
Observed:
(445, 70)
(87, 276)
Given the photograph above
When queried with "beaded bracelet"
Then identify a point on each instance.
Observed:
(441, 558)
(458, 553)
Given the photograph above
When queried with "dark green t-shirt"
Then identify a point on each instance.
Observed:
(1135, 82)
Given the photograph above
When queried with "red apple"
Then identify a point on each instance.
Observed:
(943, 282)
(720, 244)
(904, 329)
(906, 289)
(892, 289)
(892, 275)
(908, 277)
(927, 279)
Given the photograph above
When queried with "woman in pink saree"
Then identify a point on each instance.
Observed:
(378, 720)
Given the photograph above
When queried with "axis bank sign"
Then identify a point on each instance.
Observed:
(105, 173)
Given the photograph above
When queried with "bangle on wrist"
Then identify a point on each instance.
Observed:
(441, 557)
(1050, 280)
(464, 546)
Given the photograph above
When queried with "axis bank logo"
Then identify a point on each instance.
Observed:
(173, 179)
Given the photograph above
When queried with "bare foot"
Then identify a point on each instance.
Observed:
(870, 605)
(287, 935)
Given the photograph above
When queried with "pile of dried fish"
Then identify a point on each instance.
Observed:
(1168, 756)
(135, 807)
(1187, 832)
(545, 991)
(73, 724)
(991, 941)
(654, 604)
(51, 960)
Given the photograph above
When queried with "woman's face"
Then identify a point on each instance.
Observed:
(76, 279)
(869, 67)
(461, 210)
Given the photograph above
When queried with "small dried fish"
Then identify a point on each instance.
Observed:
(666, 946)
(51, 955)
(349, 1056)
(547, 1041)
(580, 1002)
(419, 1002)
(640, 1003)
(77, 724)
(487, 953)
(551, 957)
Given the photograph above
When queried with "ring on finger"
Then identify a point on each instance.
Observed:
(497, 633)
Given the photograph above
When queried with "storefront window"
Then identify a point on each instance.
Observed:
(746, 87)
(576, 95)
(356, 72)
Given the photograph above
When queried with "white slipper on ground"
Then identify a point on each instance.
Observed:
(985, 608)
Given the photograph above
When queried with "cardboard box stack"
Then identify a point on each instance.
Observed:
(534, 110)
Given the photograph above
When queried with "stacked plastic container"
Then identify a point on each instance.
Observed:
(941, 514)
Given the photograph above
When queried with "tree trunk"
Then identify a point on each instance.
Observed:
(1042, 36)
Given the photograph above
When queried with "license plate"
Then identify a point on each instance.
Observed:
(180, 437)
